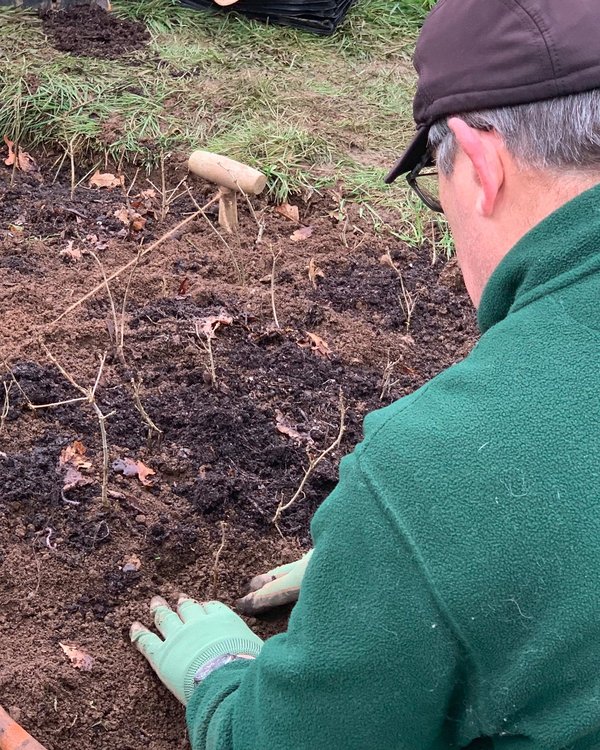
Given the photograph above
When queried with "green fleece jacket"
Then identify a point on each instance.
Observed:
(453, 598)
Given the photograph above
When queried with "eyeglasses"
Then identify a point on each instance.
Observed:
(426, 183)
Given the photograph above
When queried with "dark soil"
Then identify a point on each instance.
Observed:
(88, 30)
(229, 452)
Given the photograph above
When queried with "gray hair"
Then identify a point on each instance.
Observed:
(556, 134)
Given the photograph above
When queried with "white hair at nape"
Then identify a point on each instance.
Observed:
(560, 134)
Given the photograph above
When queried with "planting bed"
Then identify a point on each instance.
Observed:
(75, 571)
(339, 310)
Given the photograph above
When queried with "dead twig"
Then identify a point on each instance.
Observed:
(314, 463)
(408, 301)
(205, 343)
(136, 260)
(215, 571)
(154, 432)
(167, 197)
(5, 404)
(234, 260)
(121, 343)
(386, 382)
(117, 340)
(88, 395)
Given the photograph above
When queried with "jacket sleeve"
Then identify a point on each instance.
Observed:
(368, 660)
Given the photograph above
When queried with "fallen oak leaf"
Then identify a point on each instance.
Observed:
(130, 218)
(106, 180)
(19, 158)
(301, 234)
(70, 252)
(74, 478)
(78, 658)
(130, 468)
(318, 345)
(314, 272)
(209, 325)
(290, 212)
(12, 157)
(72, 461)
(75, 454)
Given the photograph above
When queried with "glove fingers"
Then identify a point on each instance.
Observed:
(148, 643)
(259, 581)
(269, 596)
(166, 621)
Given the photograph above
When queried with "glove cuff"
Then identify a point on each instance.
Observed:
(234, 646)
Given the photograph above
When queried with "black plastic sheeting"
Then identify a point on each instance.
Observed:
(318, 16)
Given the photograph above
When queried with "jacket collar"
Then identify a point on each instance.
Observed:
(556, 253)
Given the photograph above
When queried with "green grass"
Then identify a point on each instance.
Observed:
(309, 111)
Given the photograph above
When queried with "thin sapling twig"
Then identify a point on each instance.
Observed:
(273, 306)
(136, 260)
(154, 432)
(313, 463)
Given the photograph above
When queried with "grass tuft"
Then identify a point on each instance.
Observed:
(310, 111)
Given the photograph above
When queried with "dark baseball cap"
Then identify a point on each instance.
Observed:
(481, 54)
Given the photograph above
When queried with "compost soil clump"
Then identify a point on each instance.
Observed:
(229, 373)
(89, 31)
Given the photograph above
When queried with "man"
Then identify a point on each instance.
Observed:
(452, 599)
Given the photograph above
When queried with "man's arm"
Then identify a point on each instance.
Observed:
(368, 660)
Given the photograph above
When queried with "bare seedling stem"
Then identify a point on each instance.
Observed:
(117, 339)
(205, 340)
(89, 396)
(273, 307)
(219, 235)
(314, 463)
(408, 301)
(123, 306)
(5, 404)
(136, 260)
(153, 430)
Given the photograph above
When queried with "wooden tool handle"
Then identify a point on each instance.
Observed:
(227, 172)
(14, 737)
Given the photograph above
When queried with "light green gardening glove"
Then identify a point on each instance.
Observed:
(278, 586)
(198, 638)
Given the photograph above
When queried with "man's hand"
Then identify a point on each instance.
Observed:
(198, 638)
(278, 586)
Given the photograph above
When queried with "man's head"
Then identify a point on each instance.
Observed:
(508, 108)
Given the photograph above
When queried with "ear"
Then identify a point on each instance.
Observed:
(482, 148)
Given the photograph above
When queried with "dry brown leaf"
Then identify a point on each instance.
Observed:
(318, 345)
(106, 180)
(314, 272)
(285, 427)
(74, 478)
(146, 203)
(301, 234)
(131, 564)
(70, 252)
(75, 454)
(19, 158)
(208, 326)
(78, 658)
(184, 287)
(290, 212)
(130, 468)
(130, 218)
(73, 461)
